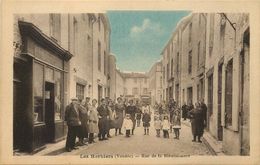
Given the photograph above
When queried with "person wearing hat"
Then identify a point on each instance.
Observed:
(72, 117)
(103, 124)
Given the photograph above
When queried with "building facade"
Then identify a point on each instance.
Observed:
(41, 67)
(136, 86)
(207, 58)
(227, 80)
(155, 82)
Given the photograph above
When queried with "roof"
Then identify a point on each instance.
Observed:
(126, 74)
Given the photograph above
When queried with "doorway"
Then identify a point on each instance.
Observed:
(210, 99)
(49, 112)
(189, 95)
(220, 128)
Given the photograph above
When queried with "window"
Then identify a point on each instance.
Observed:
(145, 80)
(228, 93)
(99, 23)
(145, 90)
(38, 92)
(135, 80)
(80, 91)
(172, 68)
(190, 62)
(99, 56)
(105, 62)
(198, 65)
(135, 91)
(178, 61)
(211, 35)
(55, 27)
(75, 38)
(167, 71)
(57, 94)
(190, 32)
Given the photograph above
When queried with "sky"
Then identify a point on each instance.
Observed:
(138, 37)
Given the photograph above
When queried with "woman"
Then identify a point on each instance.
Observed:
(112, 116)
(93, 121)
(197, 123)
(120, 111)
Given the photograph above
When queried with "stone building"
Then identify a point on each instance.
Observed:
(136, 86)
(193, 58)
(81, 45)
(120, 84)
(227, 80)
(155, 82)
(101, 51)
(40, 80)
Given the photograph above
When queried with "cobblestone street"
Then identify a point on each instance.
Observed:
(139, 144)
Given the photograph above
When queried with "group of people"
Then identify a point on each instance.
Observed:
(84, 119)
(167, 118)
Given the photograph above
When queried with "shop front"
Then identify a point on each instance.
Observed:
(40, 90)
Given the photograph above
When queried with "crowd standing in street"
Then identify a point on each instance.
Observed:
(84, 120)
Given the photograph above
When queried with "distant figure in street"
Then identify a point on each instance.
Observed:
(166, 126)
(197, 122)
(176, 122)
(127, 124)
(171, 107)
(157, 125)
(184, 109)
(93, 121)
(120, 111)
(73, 122)
(131, 109)
(146, 122)
(103, 124)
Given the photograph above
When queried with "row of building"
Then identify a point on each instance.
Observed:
(207, 58)
(57, 57)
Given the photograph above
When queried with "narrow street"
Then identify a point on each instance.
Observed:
(140, 144)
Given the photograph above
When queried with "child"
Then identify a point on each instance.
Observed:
(165, 126)
(157, 125)
(127, 124)
(176, 123)
(146, 122)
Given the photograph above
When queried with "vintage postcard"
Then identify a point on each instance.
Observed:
(127, 82)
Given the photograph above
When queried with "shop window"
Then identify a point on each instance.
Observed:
(228, 94)
(80, 91)
(38, 92)
(57, 99)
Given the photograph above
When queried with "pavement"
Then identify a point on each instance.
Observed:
(139, 144)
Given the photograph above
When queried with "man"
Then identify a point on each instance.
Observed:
(72, 114)
(184, 111)
(204, 112)
(132, 109)
(103, 115)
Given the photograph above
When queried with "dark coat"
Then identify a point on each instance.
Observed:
(131, 109)
(72, 115)
(197, 122)
(103, 123)
(120, 110)
(146, 120)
